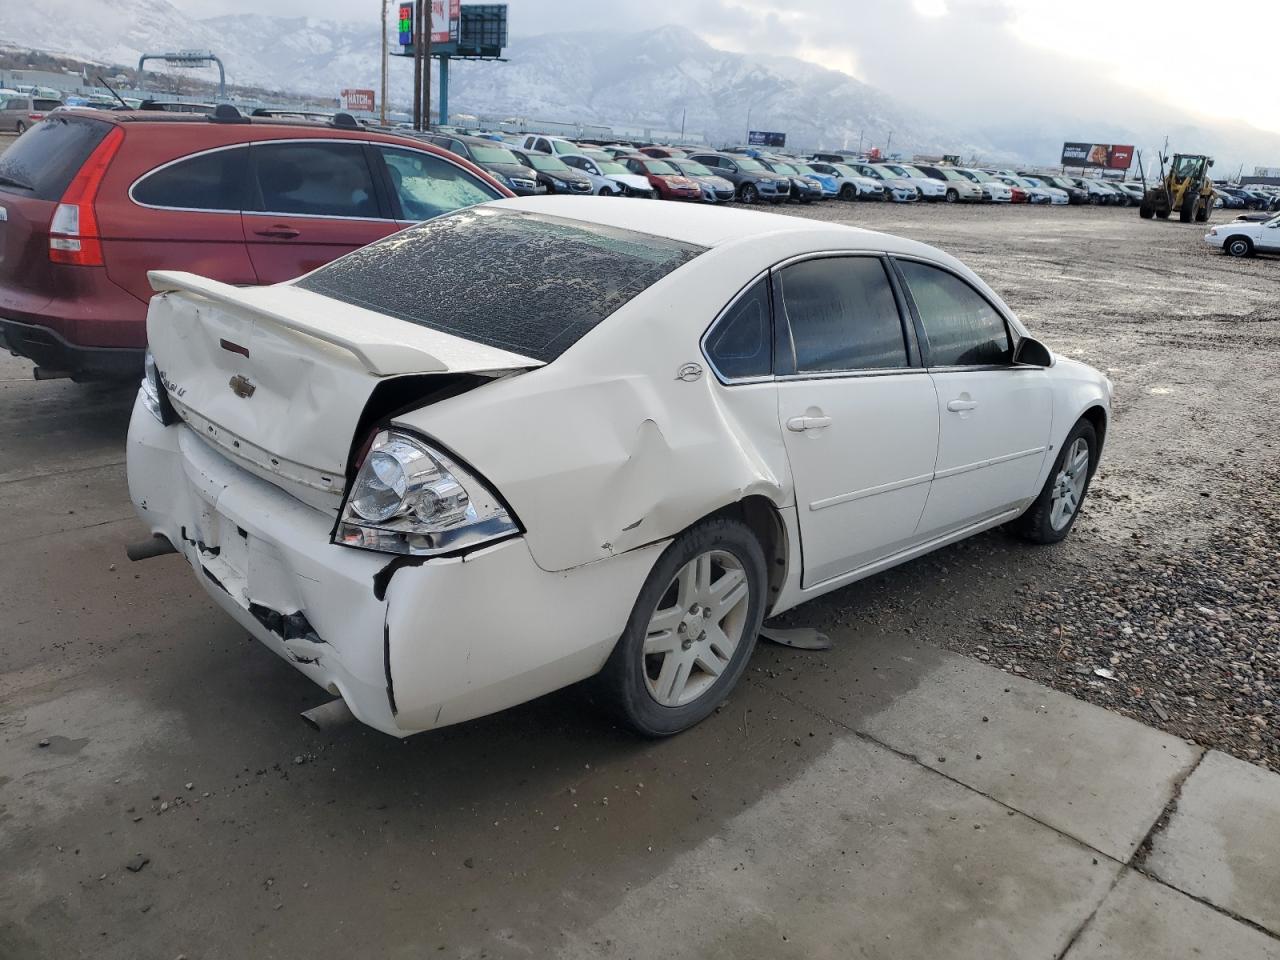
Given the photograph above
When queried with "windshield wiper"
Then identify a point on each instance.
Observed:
(15, 182)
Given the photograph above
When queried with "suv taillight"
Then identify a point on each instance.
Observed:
(73, 232)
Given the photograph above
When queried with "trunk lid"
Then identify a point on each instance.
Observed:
(278, 377)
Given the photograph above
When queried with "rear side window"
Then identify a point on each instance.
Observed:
(961, 327)
(842, 315)
(43, 161)
(523, 282)
(207, 181)
(46, 105)
(741, 344)
(320, 179)
(427, 186)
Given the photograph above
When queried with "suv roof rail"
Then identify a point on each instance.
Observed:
(226, 113)
(344, 121)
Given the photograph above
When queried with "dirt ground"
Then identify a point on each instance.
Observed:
(267, 839)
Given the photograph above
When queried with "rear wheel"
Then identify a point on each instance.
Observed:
(20, 127)
(691, 631)
(1206, 207)
(1050, 518)
(1238, 247)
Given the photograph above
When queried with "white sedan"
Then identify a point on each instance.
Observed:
(1244, 238)
(440, 480)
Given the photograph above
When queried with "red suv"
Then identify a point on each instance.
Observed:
(90, 201)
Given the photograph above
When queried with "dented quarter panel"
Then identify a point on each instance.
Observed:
(605, 449)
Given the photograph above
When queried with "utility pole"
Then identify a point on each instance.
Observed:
(859, 142)
(382, 115)
(683, 113)
(887, 145)
(426, 63)
(417, 64)
(748, 125)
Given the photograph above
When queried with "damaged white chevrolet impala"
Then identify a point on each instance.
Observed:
(543, 439)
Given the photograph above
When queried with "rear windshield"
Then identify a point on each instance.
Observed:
(523, 282)
(47, 105)
(43, 161)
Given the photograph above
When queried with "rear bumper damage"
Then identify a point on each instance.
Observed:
(410, 644)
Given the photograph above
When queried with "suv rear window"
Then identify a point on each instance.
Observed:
(43, 161)
(523, 282)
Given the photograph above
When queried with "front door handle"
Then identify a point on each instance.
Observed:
(959, 406)
(801, 424)
(278, 230)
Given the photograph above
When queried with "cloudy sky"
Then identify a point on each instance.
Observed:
(964, 57)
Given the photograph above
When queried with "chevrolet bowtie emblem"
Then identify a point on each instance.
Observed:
(241, 386)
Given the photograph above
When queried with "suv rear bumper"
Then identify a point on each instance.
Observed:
(50, 350)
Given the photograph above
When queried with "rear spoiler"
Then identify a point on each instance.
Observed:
(384, 345)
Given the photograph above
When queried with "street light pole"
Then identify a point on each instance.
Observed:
(382, 115)
(748, 125)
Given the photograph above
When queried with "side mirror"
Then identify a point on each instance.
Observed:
(1031, 352)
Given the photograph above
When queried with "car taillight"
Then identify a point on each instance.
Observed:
(35, 116)
(73, 232)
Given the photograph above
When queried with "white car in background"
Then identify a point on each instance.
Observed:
(898, 189)
(607, 175)
(992, 189)
(541, 143)
(1036, 193)
(440, 490)
(853, 185)
(1244, 238)
(930, 189)
(1057, 195)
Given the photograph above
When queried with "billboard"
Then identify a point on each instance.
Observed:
(766, 138)
(357, 100)
(445, 15)
(1111, 156)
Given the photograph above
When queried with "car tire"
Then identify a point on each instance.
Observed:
(670, 688)
(848, 192)
(20, 127)
(750, 193)
(952, 196)
(1053, 513)
(1238, 247)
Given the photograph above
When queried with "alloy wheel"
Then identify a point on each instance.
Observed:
(697, 626)
(1068, 485)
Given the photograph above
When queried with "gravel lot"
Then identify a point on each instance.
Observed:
(170, 738)
(1169, 583)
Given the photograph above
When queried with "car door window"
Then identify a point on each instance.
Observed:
(740, 345)
(543, 145)
(842, 315)
(318, 179)
(576, 162)
(427, 186)
(207, 181)
(961, 328)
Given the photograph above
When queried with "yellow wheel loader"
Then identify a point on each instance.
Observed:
(1186, 188)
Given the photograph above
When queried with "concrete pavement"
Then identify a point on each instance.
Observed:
(885, 799)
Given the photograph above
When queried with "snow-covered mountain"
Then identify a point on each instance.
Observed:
(657, 78)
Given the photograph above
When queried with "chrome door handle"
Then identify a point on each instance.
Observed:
(801, 424)
(959, 406)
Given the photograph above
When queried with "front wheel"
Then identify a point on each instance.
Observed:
(691, 631)
(848, 192)
(952, 195)
(1053, 513)
(750, 194)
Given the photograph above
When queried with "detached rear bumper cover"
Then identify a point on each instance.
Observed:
(409, 647)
